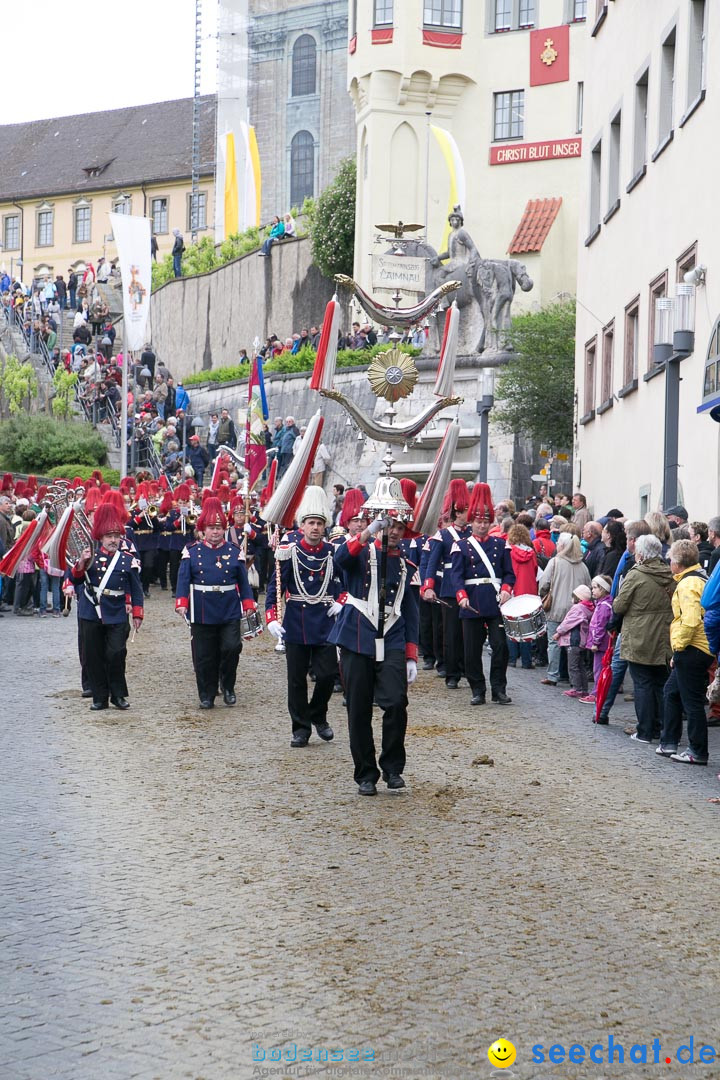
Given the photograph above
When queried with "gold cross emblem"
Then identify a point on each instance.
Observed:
(549, 54)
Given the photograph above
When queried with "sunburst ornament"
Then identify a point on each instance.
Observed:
(392, 375)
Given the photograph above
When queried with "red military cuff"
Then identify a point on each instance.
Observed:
(137, 612)
(354, 545)
(181, 604)
(411, 651)
(506, 589)
(271, 615)
(249, 605)
(461, 595)
(342, 598)
(428, 583)
(78, 574)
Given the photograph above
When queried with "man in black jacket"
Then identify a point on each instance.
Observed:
(596, 550)
(170, 399)
(226, 435)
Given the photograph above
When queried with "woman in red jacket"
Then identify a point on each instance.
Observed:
(525, 567)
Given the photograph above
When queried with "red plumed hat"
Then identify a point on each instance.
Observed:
(166, 503)
(97, 476)
(93, 498)
(481, 504)
(142, 490)
(104, 487)
(182, 491)
(237, 500)
(127, 484)
(7, 481)
(115, 499)
(409, 490)
(352, 505)
(154, 488)
(42, 492)
(458, 497)
(224, 477)
(20, 489)
(163, 482)
(78, 482)
(224, 493)
(106, 520)
(31, 483)
(212, 513)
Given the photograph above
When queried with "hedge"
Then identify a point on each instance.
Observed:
(289, 363)
(36, 444)
(69, 472)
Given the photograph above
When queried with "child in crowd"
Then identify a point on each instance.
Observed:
(572, 632)
(598, 636)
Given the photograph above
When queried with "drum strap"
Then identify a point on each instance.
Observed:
(494, 580)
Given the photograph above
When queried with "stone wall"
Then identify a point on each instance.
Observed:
(200, 323)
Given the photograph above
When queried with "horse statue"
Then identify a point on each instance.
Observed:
(494, 288)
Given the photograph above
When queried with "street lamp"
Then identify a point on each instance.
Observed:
(674, 341)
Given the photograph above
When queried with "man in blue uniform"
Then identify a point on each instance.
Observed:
(482, 578)
(107, 589)
(146, 532)
(377, 668)
(437, 579)
(212, 593)
(310, 587)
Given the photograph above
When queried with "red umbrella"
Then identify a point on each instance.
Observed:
(602, 686)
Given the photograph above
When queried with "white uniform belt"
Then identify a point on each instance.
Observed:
(481, 581)
(113, 592)
(311, 599)
(448, 566)
(364, 608)
(215, 588)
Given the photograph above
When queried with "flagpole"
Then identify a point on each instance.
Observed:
(124, 418)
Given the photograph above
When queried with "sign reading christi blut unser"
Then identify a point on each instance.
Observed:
(513, 153)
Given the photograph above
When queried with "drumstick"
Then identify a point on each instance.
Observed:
(133, 635)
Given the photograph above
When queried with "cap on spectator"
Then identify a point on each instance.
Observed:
(194, 438)
(678, 512)
(582, 592)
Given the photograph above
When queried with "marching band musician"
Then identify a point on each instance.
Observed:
(356, 632)
(212, 594)
(163, 540)
(146, 529)
(482, 578)
(437, 579)
(180, 524)
(310, 586)
(106, 591)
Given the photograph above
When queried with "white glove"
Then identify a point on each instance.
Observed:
(411, 672)
(247, 528)
(184, 511)
(276, 629)
(376, 525)
(334, 609)
(142, 503)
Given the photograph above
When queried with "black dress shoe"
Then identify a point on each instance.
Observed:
(367, 787)
(98, 705)
(229, 697)
(440, 672)
(206, 703)
(477, 699)
(299, 739)
(428, 665)
(452, 684)
(501, 699)
(87, 693)
(326, 733)
(394, 781)
(338, 687)
(146, 593)
(119, 703)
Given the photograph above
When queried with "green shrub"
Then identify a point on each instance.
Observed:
(64, 383)
(287, 364)
(34, 444)
(69, 472)
(333, 223)
(18, 384)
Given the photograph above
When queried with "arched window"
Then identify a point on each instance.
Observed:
(303, 66)
(302, 167)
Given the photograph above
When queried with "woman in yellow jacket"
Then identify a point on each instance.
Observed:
(691, 660)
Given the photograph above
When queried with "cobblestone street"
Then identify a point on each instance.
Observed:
(182, 892)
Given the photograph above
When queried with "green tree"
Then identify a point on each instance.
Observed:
(535, 391)
(332, 231)
(34, 444)
(64, 383)
(18, 384)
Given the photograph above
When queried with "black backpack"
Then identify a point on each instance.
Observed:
(542, 558)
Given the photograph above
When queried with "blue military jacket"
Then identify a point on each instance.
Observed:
(146, 530)
(212, 585)
(123, 588)
(354, 629)
(309, 583)
(437, 569)
(469, 575)
(177, 538)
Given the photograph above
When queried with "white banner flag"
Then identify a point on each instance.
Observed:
(132, 236)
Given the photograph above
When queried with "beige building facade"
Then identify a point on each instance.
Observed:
(505, 79)
(56, 188)
(646, 264)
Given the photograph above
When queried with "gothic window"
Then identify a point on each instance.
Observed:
(302, 167)
(304, 62)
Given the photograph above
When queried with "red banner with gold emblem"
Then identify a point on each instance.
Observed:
(549, 55)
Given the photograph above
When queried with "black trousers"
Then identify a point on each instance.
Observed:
(426, 631)
(84, 679)
(164, 560)
(216, 650)
(104, 649)
(147, 567)
(386, 683)
(438, 644)
(453, 637)
(685, 692)
(299, 658)
(475, 632)
(648, 683)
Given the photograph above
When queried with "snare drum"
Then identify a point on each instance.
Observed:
(523, 618)
(250, 625)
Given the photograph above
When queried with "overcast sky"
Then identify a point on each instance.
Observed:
(65, 59)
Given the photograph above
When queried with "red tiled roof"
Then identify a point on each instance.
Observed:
(535, 224)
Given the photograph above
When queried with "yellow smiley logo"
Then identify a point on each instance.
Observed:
(501, 1054)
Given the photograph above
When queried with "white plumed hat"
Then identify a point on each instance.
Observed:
(314, 504)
